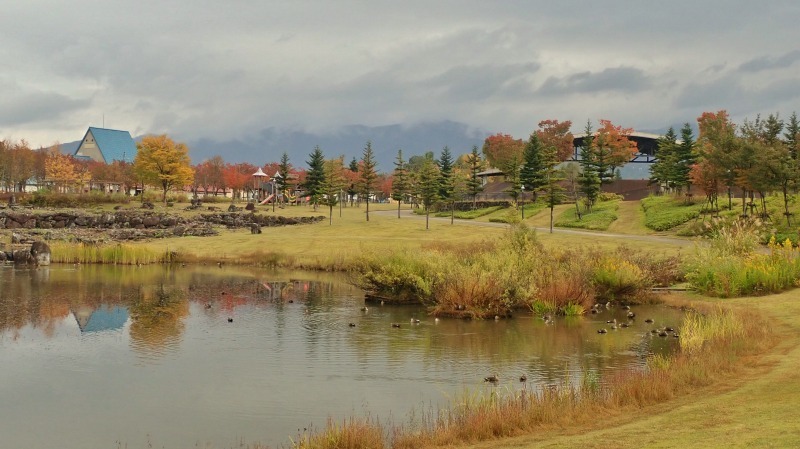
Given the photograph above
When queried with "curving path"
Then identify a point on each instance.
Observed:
(677, 241)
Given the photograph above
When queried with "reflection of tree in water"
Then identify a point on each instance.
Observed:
(157, 319)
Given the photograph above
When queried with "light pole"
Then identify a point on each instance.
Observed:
(522, 196)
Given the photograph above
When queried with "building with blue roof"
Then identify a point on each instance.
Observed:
(106, 145)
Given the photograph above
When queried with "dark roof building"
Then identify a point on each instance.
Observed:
(106, 145)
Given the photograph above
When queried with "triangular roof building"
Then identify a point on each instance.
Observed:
(106, 145)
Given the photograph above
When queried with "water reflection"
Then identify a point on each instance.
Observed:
(159, 341)
(157, 320)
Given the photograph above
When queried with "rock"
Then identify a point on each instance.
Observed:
(16, 238)
(250, 206)
(40, 253)
(148, 205)
(255, 228)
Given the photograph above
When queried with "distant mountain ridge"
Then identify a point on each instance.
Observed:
(269, 145)
(348, 141)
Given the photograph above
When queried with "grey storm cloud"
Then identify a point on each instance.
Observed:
(35, 106)
(624, 79)
(768, 63)
(225, 71)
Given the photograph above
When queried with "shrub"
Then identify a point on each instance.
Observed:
(617, 278)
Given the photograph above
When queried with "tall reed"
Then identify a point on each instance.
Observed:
(116, 254)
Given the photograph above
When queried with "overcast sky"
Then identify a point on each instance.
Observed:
(225, 69)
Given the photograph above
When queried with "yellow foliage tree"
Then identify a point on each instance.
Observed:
(162, 162)
(59, 169)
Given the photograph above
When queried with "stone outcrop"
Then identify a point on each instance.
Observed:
(140, 224)
(37, 254)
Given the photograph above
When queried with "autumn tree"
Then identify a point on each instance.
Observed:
(367, 174)
(400, 181)
(60, 170)
(557, 135)
(502, 150)
(163, 162)
(238, 177)
(612, 149)
(208, 175)
(718, 144)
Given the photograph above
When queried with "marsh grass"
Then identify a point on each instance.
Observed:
(513, 272)
(726, 338)
(114, 254)
(728, 266)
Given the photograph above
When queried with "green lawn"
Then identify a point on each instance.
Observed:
(599, 219)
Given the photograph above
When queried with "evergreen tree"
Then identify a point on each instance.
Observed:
(446, 186)
(428, 185)
(686, 157)
(315, 176)
(333, 184)
(474, 183)
(589, 180)
(354, 165)
(284, 167)
(367, 176)
(532, 174)
(664, 168)
(791, 136)
(400, 181)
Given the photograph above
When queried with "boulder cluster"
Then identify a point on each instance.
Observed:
(37, 254)
(143, 224)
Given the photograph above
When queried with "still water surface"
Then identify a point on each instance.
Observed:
(108, 357)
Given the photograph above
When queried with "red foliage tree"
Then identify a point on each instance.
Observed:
(502, 150)
(555, 134)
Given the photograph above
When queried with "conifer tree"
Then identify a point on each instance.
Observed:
(400, 181)
(474, 184)
(367, 176)
(588, 180)
(315, 176)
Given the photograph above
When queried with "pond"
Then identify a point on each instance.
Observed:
(207, 356)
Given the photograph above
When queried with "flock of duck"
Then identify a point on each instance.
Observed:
(660, 331)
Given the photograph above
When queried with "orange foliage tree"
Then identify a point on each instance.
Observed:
(503, 151)
(238, 177)
(612, 149)
(555, 134)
